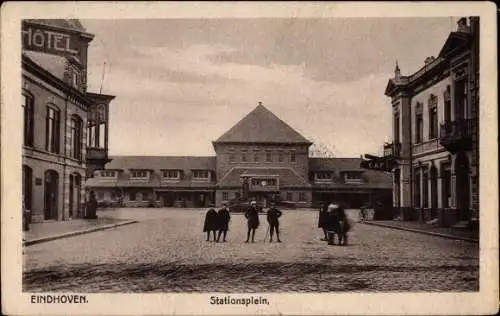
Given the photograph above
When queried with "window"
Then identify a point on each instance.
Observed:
(289, 196)
(244, 156)
(200, 174)
(419, 126)
(447, 105)
(108, 174)
(323, 175)
(225, 196)
(416, 190)
(74, 79)
(76, 138)
(269, 156)
(302, 196)
(171, 174)
(231, 156)
(280, 156)
(52, 130)
(256, 156)
(264, 182)
(145, 196)
(113, 195)
(425, 188)
(433, 120)
(292, 156)
(352, 176)
(100, 195)
(139, 174)
(132, 196)
(28, 114)
(396, 128)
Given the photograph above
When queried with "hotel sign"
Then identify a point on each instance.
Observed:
(46, 39)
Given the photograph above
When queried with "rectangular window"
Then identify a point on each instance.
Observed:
(302, 196)
(396, 128)
(113, 195)
(200, 174)
(75, 138)
(256, 156)
(231, 156)
(323, 175)
(433, 123)
(419, 128)
(269, 156)
(352, 177)
(108, 174)
(100, 195)
(244, 156)
(171, 174)
(52, 130)
(416, 188)
(292, 156)
(145, 196)
(225, 196)
(28, 120)
(139, 174)
(280, 156)
(289, 196)
(264, 182)
(446, 181)
(132, 196)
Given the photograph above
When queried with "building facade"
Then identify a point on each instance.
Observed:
(57, 114)
(261, 158)
(435, 146)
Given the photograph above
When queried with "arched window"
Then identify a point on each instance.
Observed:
(28, 114)
(76, 132)
(52, 129)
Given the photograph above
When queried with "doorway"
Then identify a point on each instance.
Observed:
(51, 194)
(462, 187)
(434, 191)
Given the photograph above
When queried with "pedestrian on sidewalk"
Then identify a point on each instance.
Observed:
(210, 223)
(223, 218)
(322, 220)
(252, 216)
(91, 207)
(273, 215)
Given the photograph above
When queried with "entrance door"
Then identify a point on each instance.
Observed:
(463, 187)
(27, 186)
(51, 194)
(71, 195)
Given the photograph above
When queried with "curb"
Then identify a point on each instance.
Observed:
(76, 233)
(424, 232)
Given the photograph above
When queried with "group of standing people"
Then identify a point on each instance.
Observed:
(333, 221)
(219, 221)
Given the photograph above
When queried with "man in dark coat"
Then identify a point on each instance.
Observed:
(252, 216)
(322, 220)
(273, 214)
(210, 223)
(337, 224)
(223, 219)
(91, 207)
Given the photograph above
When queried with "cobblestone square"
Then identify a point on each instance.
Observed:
(167, 252)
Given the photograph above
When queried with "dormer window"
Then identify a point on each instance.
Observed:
(352, 177)
(107, 174)
(139, 174)
(323, 176)
(200, 174)
(171, 174)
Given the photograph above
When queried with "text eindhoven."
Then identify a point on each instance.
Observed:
(47, 40)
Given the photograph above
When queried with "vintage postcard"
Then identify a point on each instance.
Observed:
(240, 158)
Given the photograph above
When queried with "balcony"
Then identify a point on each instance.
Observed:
(392, 150)
(456, 135)
(95, 153)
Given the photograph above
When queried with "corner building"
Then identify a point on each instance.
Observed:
(58, 112)
(261, 158)
(436, 133)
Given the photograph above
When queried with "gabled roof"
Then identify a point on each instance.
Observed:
(54, 64)
(338, 164)
(162, 162)
(262, 126)
(454, 40)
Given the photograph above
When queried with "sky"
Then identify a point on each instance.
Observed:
(181, 83)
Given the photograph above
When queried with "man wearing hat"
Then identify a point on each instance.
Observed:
(223, 219)
(252, 216)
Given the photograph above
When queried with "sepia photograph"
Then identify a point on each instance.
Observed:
(234, 157)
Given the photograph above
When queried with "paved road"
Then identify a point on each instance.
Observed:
(167, 252)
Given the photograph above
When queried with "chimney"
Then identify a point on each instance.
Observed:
(429, 60)
(462, 25)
